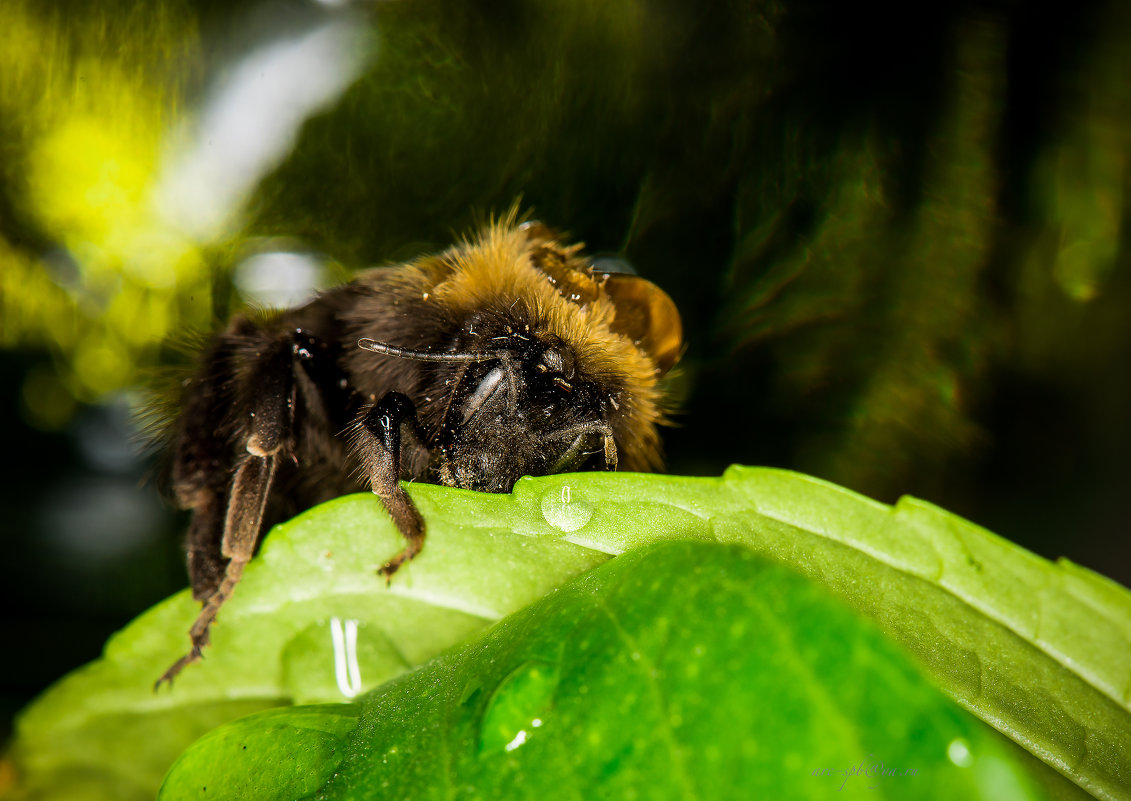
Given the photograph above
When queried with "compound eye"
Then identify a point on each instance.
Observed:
(491, 384)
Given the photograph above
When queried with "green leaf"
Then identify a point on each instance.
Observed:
(1041, 651)
(240, 760)
(680, 671)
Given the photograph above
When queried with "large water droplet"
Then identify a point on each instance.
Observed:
(563, 511)
(518, 707)
(347, 672)
(336, 659)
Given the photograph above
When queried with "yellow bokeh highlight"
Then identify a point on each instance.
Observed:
(89, 175)
(90, 99)
(32, 306)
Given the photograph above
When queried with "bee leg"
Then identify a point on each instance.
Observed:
(241, 528)
(200, 469)
(582, 438)
(205, 535)
(379, 442)
(610, 449)
(268, 427)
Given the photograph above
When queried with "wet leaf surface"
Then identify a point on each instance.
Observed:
(681, 671)
(1039, 650)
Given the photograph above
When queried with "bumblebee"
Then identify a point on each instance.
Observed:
(506, 355)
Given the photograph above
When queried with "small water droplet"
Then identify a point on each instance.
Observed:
(563, 511)
(518, 740)
(519, 706)
(958, 752)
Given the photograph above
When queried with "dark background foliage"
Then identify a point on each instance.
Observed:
(896, 234)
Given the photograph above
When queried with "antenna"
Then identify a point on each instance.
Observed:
(425, 355)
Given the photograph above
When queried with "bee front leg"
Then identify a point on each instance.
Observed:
(582, 437)
(379, 437)
(268, 427)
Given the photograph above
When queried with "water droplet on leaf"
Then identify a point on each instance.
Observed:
(563, 510)
(335, 659)
(519, 707)
(958, 752)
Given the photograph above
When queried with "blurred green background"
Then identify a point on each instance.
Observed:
(896, 233)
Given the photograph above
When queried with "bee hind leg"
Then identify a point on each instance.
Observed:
(267, 431)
